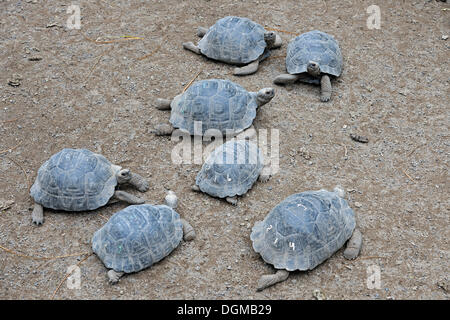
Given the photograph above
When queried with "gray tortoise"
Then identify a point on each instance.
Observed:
(231, 170)
(213, 104)
(80, 180)
(303, 231)
(139, 236)
(313, 57)
(238, 41)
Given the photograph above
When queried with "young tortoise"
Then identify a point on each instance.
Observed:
(213, 104)
(238, 41)
(80, 180)
(231, 170)
(303, 231)
(313, 57)
(139, 236)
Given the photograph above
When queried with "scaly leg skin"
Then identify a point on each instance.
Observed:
(353, 245)
(195, 188)
(191, 47)
(138, 182)
(114, 276)
(163, 129)
(128, 197)
(278, 42)
(163, 104)
(188, 231)
(38, 214)
(286, 78)
(248, 69)
(201, 31)
(270, 279)
(325, 88)
(265, 174)
(232, 200)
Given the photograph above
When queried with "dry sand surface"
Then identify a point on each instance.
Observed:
(74, 92)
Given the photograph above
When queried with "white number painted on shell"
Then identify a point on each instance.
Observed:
(292, 245)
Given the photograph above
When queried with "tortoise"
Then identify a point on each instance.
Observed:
(303, 231)
(213, 104)
(231, 170)
(139, 236)
(238, 41)
(313, 57)
(80, 180)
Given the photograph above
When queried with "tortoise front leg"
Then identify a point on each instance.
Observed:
(353, 245)
(248, 69)
(37, 215)
(114, 276)
(325, 88)
(128, 197)
(192, 47)
(270, 279)
(265, 174)
(201, 31)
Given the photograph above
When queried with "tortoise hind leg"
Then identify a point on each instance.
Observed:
(114, 276)
(188, 231)
(232, 200)
(270, 279)
(353, 245)
(38, 214)
(191, 47)
(163, 129)
(163, 104)
(201, 31)
(246, 70)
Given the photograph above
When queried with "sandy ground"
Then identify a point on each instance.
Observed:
(76, 93)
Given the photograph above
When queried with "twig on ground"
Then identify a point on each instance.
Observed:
(190, 82)
(68, 275)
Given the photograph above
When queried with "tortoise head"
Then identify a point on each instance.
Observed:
(313, 68)
(123, 176)
(270, 37)
(265, 95)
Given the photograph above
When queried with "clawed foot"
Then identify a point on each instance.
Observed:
(114, 276)
(232, 200)
(269, 280)
(325, 98)
(37, 215)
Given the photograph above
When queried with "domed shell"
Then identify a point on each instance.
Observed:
(231, 169)
(214, 104)
(315, 46)
(234, 40)
(304, 230)
(137, 237)
(75, 180)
